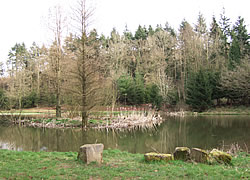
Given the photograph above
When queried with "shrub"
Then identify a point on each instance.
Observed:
(4, 101)
(30, 100)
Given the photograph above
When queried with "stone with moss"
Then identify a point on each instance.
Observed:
(199, 155)
(182, 153)
(152, 156)
(220, 157)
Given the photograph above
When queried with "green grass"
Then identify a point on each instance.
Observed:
(94, 121)
(75, 123)
(116, 165)
(21, 113)
(28, 112)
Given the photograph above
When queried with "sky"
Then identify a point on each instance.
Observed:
(24, 20)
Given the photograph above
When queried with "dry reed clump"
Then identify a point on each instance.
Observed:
(234, 148)
(135, 119)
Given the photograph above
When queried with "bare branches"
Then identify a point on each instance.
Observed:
(58, 24)
(84, 75)
(82, 15)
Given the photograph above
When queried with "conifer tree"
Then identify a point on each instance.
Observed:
(240, 45)
(199, 90)
(225, 26)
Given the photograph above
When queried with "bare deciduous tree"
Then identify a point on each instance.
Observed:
(57, 25)
(87, 79)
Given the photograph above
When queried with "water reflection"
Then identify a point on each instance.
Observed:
(204, 132)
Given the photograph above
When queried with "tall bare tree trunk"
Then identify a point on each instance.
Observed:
(84, 98)
(58, 79)
(58, 21)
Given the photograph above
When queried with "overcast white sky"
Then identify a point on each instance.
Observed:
(22, 20)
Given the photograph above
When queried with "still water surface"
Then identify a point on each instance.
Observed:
(202, 131)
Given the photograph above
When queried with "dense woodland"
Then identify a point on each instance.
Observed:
(196, 66)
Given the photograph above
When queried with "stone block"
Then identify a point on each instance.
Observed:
(199, 155)
(91, 153)
(182, 153)
(158, 157)
(220, 157)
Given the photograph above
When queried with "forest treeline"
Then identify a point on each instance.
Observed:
(197, 65)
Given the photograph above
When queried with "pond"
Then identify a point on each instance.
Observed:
(201, 131)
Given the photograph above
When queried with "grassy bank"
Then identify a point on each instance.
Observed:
(116, 165)
(240, 110)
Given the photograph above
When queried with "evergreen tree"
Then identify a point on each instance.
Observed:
(131, 90)
(242, 36)
(3, 100)
(126, 89)
(127, 34)
(215, 30)
(114, 36)
(225, 26)
(169, 29)
(240, 46)
(199, 90)
(234, 52)
(139, 89)
(17, 58)
(150, 31)
(201, 27)
(214, 38)
(158, 28)
(20, 72)
(153, 96)
(141, 33)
